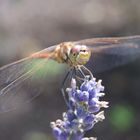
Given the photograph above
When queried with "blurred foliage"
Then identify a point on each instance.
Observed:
(122, 117)
(52, 69)
(36, 136)
(45, 67)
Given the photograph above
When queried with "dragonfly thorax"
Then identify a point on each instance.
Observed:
(72, 54)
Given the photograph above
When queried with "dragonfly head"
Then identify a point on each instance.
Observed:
(79, 54)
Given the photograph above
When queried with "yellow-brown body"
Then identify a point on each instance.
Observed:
(71, 54)
(67, 52)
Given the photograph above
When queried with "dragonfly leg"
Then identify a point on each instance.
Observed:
(87, 70)
(81, 73)
(68, 76)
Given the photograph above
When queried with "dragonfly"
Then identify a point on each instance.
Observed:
(22, 81)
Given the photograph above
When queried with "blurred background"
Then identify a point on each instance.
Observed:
(27, 26)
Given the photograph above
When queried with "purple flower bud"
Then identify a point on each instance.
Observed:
(99, 86)
(81, 112)
(93, 109)
(88, 126)
(82, 96)
(72, 103)
(92, 93)
(74, 124)
(77, 95)
(92, 82)
(67, 125)
(70, 115)
(57, 132)
(89, 119)
(77, 136)
(63, 136)
(85, 86)
(93, 102)
(72, 93)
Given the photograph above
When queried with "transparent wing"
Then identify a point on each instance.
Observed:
(108, 53)
(23, 80)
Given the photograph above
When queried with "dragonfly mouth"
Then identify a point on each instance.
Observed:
(83, 58)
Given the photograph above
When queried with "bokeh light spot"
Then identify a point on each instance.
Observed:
(122, 117)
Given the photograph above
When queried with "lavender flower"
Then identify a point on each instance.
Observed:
(83, 112)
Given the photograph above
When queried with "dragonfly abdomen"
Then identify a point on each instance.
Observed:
(40, 55)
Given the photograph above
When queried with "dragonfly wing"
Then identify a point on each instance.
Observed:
(21, 81)
(108, 53)
(10, 72)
